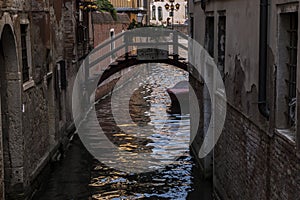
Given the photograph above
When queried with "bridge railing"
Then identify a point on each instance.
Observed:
(127, 44)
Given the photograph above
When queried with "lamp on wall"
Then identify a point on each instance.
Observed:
(140, 17)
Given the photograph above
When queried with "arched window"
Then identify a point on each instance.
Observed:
(160, 14)
(153, 12)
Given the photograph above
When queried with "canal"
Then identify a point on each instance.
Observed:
(80, 176)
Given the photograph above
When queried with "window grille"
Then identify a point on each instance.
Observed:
(209, 35)
(292, 66)
(221, 44)
(25, 67)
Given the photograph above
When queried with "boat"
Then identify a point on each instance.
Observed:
(179, 93)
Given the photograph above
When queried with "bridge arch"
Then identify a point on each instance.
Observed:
(121, 64)
(100, 63)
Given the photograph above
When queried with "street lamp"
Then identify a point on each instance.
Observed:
(171, 8)
(140, 17)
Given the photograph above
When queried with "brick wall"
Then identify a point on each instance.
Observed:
(284, 169)
(252, 159)
(240, 169)
(255, 165)
(103, 23)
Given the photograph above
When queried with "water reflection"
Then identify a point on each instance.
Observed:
(81, 177)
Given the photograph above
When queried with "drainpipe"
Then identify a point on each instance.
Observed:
(263, 56)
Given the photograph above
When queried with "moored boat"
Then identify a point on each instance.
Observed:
(179, 95)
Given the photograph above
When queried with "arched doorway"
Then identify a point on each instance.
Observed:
(11, 115)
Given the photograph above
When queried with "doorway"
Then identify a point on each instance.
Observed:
(11, 143)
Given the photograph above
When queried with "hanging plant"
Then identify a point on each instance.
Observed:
(105, 5)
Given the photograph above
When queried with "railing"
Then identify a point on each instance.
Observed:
(127, 44)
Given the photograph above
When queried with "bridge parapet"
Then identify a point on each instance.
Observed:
(146, 45)
(125, 50)
(154, 45)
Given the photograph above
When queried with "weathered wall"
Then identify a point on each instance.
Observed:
(104, 23)
(11, 127)
(40, 119)
(252, 159)
(241, 159)
(284, 151)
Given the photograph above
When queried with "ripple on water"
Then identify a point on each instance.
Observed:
(165, 137)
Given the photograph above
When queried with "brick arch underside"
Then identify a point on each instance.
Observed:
(111, 70)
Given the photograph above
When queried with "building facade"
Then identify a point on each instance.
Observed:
(42, 45)
(258, 154)
(159, 15)
(132, 8)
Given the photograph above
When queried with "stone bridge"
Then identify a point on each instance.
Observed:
(155, 45)
(131, 48)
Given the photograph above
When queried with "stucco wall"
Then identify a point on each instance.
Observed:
(252, 159)
(179, 15)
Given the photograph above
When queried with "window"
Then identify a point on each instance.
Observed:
(60, 84)
(221, 43)
(287, 70)
(209, 35)
(153, 12)
(82, 34)
(61, 76)
(25, 67)
(292, 66)
(145, 3)
(160, 15)
(186, 12)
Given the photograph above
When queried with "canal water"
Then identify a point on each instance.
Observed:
(80, 176)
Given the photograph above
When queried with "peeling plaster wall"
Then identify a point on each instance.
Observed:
(252, 160)
(241, 62)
